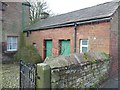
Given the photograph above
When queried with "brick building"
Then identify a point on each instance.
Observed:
(15, 16)
(92, 29)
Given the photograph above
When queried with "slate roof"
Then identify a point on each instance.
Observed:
(90, 13)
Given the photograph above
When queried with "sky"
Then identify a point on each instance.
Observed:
(64, 6)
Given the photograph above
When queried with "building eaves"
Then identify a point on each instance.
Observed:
(97, 12)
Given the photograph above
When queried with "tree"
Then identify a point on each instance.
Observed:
(38, 10)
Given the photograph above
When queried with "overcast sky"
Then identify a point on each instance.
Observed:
(64, 6)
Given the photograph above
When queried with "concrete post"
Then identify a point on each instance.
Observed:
(43, 71)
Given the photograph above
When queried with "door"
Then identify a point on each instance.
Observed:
(48, 48)
(64, 47)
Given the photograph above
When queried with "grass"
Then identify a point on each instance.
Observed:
(10, 75)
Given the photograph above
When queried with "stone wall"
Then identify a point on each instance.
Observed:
(12, 25)
(12, 19)
(78, 70)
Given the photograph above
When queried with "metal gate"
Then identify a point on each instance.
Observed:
(28, 73)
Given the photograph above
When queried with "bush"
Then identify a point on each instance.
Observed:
(22, 42)
(28, 54)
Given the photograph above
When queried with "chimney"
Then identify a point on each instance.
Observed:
(44, 15)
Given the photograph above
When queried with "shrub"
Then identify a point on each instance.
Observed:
(22, 42)
(28, 54)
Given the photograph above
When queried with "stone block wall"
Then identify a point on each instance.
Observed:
(78, 70)
(77, 76)
(11, 21)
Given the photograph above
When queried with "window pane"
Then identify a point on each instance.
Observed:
(84, 42)
(11, 43)
(84, 49)
(8, 39)
(8, 45)
(14, 39)
(8, 42)
(14, 46)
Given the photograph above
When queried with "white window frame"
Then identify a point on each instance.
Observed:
(81, 45)
(11, 43)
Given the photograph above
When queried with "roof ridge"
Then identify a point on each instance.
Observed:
(82, 9)
(94, 12)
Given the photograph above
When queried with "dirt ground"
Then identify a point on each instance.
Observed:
(10, 76)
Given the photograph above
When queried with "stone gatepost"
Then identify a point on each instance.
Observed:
(43, 71)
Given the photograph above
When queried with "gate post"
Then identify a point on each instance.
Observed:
(43, 72)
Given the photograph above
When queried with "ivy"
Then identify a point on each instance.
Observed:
(85, 56)
(93, 61)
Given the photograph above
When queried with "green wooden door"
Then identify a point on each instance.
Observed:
(48, 48)
(64, 47)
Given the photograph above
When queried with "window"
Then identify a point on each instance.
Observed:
(83, 46)
(11, 43)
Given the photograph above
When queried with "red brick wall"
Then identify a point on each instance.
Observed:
(97, 34)
(100, 31)
(55, 34)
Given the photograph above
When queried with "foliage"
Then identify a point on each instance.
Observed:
(93, 61)
(37, 9)
(106, 56)
(82, 85)
(95, 85)
(85, 56)
(22, 42)
(29, 54)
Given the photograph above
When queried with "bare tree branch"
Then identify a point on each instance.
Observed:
(37, 8)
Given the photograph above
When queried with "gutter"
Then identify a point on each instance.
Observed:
(23, 14)
(75, 31)
(26, 4)
(72, 23)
